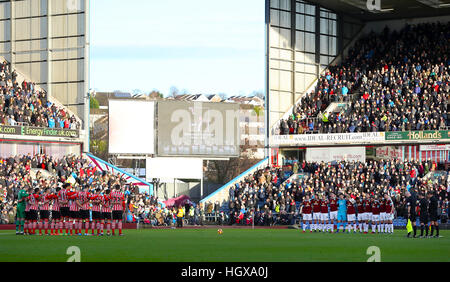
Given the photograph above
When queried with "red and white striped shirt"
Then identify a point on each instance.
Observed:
(55, 205)
(63, 199)
(28, 206)
(83, 197)
(73, 196)
(95, 204)
(45, 202)
(33, 200)
(106, 203)
(117, 198)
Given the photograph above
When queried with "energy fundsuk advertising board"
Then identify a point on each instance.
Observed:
(38, 131)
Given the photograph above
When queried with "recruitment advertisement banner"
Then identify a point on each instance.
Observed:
(317, 139)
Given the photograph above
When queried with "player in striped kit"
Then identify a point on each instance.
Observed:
(63, 200)
(34, 208)
(56, 214)
(106, 210)
(306, 212)
(97, 218)
(118, 204)
(83, 203)
(74, 211)
(389, 226)
(45, 201)
(28, 225)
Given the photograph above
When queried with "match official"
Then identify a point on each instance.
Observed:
(423, 216)
(411, 202)
(434, 215)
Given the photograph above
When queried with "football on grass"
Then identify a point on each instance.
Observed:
(219, 231)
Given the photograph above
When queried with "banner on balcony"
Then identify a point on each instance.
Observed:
(38, 131)
(445, 147)
(317, 139)
(418, 135)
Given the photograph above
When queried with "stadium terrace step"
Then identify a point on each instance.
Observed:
(336, 107)
(222, 194)
(44, 173)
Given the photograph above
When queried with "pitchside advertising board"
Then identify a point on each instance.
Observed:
(198, 129)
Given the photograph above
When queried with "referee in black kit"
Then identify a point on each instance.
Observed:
(411, 202)
(423, 215)
(434, 215)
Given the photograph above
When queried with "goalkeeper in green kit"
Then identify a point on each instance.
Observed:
(20, 214)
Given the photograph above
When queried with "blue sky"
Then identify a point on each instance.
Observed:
(201, 46)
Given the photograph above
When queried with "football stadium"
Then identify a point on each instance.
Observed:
(345, 157)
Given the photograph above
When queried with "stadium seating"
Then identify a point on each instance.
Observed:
(22, 104)
(392, 81)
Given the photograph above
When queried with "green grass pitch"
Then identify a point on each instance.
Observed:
(234, 245)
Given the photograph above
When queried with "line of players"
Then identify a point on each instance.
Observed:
(70, 210)
(334, 214)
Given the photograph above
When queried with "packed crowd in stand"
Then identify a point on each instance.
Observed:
(393, 81)
(42, 195)
(68, 178)
(22, 104)
(269, 198)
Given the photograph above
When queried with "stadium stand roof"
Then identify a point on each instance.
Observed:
(390, 9)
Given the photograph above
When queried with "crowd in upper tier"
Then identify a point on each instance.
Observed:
(392, 81)
(22, 104)
(275, 199)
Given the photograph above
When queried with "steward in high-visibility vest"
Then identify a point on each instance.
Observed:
(180, 215)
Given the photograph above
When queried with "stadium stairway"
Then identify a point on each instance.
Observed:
(222, 194)
(224, 203)
(336, 107)
(44, 173)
